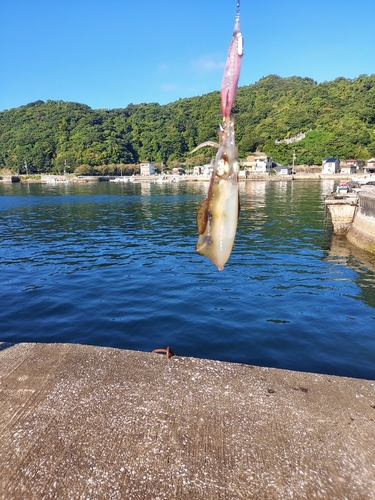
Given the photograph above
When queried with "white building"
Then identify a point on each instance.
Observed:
(207, 169)
(348, 169)
(351, 166)
(147, 168)
(330, 165)
(283, 170)
(370, 167)
(258, 163)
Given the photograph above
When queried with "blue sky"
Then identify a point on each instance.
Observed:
(109, 53)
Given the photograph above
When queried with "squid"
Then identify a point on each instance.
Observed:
(217, 215)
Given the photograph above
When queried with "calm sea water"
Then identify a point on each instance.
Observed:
(114, 265)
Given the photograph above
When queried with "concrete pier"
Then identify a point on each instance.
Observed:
(100, 423)
(362, 231)
(353, 215)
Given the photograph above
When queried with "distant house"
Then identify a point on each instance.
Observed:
(283, 170)
(178, 171)
(330, 165)
(147, 168)
(258, 163)
(347, 169)
(207, 169)
(198, 170)
(356, 163)
(350, 166)
(249, 163)
(370, 166)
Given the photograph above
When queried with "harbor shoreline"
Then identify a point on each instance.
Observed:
(47, 178)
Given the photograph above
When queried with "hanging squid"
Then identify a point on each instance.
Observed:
(217, 215)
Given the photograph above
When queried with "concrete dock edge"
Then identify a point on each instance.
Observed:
(90, 422)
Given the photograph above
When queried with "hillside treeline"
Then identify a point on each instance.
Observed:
(338, 118)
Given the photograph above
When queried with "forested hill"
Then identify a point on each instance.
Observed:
(338, 118)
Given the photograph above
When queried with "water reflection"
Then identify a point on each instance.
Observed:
(145, 188)
(342, 252)
(254, 193)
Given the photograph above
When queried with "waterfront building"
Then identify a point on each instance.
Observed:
(258, 163)
(147, 168)
(351, 166)
(330, 165)
(370, 166)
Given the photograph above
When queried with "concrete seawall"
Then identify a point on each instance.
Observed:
(362, 229)
(89, 422)
(299, 176)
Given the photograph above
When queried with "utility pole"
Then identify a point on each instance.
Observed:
(294, 157)
(27, 172)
